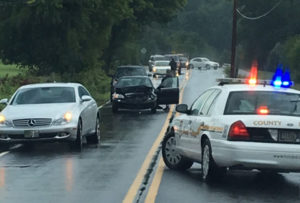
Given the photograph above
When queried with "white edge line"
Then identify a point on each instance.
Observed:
(4, 153)
(100, 107)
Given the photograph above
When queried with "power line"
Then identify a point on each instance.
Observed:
(261, 16)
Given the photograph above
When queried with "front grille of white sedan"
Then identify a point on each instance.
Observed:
(32, 122)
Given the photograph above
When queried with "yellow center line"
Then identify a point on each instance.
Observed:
(134, 188)
(153, 189)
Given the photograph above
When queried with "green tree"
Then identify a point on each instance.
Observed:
(58, 35)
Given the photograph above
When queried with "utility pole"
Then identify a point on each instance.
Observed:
(233, 70)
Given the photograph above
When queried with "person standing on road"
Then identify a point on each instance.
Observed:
(173, 65)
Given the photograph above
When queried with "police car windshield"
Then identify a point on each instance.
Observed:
(248, 102)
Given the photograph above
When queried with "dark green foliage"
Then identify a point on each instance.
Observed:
(58, 35)
(261, 39)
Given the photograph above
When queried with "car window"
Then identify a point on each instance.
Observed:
(130, 71)
(44, 95)
(83, 92)
(209, 102)
(248, 102)
(169, 82)
(197, 105)
(162, 63)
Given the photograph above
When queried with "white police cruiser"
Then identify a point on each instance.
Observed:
(237, 126)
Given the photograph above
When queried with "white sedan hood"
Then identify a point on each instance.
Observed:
(37, 110)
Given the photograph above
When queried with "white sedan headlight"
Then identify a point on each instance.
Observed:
(65, 119)
(4, 122)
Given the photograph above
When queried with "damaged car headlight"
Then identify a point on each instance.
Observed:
(117, 96)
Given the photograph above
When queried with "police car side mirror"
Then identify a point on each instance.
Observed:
(182, 108)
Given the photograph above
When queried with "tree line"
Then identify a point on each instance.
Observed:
(75, 35)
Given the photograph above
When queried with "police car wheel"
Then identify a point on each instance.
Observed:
(170, 155)
(209, 169)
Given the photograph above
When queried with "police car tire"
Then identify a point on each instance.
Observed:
(183, 163)
(213, 172)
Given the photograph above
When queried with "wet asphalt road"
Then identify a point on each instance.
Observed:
(53, 173)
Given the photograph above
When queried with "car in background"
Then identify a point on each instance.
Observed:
(203, 63)
(126, 70)
(154, 58)
(226, 65)
(50, 112)
(184, 62)
(161, 68)
(138, 92)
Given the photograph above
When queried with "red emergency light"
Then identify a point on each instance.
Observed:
(253, 74)
(263, 110)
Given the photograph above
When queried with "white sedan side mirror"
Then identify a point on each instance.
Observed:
(4, 101)
(85, 98)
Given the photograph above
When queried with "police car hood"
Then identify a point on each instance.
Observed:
(265, 121)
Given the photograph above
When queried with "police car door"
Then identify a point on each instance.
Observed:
(203, 123)
(168, 91)
(187, 137)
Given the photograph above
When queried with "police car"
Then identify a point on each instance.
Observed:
(238, 126)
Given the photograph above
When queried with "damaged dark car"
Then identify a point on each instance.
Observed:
(138, 92)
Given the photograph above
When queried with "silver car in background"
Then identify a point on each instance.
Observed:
(50, 112)
(161, 68)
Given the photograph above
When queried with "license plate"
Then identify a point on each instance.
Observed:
(31, 133)
(288, 136)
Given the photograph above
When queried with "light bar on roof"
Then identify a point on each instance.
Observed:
(241, 81)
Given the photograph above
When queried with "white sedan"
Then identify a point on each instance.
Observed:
(203, 63)
(161, 68)
(236, 126)
(50, 112)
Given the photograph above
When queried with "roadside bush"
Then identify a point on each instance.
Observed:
(97, 83)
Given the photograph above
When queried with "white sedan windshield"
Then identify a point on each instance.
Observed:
(44, 95)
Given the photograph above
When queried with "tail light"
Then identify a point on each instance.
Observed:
(238, 132)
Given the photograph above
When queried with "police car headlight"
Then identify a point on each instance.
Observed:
(117, 96)
(154, 69)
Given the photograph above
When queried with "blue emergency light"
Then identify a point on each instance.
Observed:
(281, 79)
